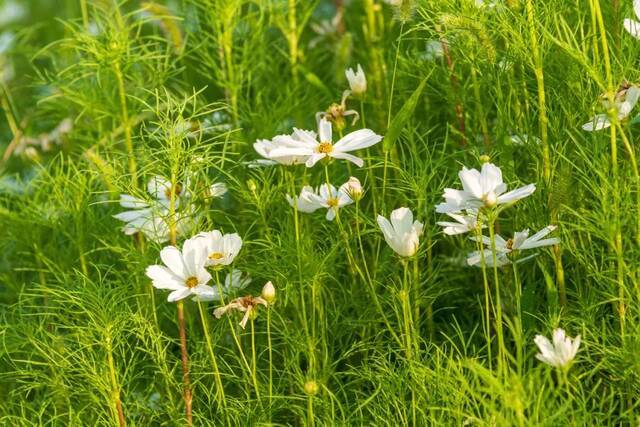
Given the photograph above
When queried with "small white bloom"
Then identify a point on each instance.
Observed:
(331, 199)
(234, 282)
(161, 189)
(354, 188)
(631, 25)
(183, 273)
(561, 352)
(625, 100)
(247, 305)
(481, 189)
(305, 202)
(433, 50)
(316, 150)
(402, 233)
(519, 242)
(217, 189)
(465, 222)
(221, 249)
(357, 81)
(524, 139)
(11, 12)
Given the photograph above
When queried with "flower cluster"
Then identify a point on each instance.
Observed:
(478, 203)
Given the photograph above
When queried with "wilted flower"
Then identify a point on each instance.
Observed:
(561, 352)
(336, 113)
(184, 273)
(481, 189)
(247, 305)
(402, 233)
(625, 100)
(268, 292)
(631, 25)
(520, 241)
(221, 249)
(234, 282)
(357, 81)
(317, 150)
(465, 221)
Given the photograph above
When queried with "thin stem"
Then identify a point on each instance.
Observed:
(115, 388)
(133, 168)
(498, 303)
(214, 362)
(254, 363)
(270, 354)
(186, 381)
(487, 296)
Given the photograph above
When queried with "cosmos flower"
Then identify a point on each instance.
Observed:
(247, 305)
(305, 202)
(268, 292)
(465, 222)
(625, 100)
(221, 249)
(354, 188)
(519, 242)
(317, 150)
(402, 233)
(161, 189)
(631, 25)
(266, 147)
(217, 189)
(561, 352)
(183, 273)
(233, 282)
(481, 189)
(357, 81)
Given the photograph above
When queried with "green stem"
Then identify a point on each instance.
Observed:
(214, 362)
(498, 302)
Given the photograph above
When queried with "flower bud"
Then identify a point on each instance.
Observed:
(251, 184)
(269, 292)
(311, 388)
(485, 158)
(354, 188)
(357, 81)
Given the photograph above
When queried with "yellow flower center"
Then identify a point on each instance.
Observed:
(332, 202)
(509, 244)
(191, 282)
(325, 147)
(216, 255)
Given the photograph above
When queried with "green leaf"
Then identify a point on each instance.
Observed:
(400, 120)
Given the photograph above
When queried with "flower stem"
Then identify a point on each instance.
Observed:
(487, 297)
(115, 388)
(498, 303)
(214, 362)
(186, 381)
(126, 123)
(270, 354)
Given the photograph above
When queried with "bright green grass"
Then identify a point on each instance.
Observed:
(81, 327)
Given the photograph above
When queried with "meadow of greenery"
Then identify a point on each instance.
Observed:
(319, 212)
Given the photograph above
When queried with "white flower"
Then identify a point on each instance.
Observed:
(519, 242)
(305, 202)
(433, 50)
(161, 188)
(402, 233)
(246, 305)
(625, 100)
(393, 2)
(150, 219)
(525, 139)
(234, 282)
(11, 12)
(465, 222)
(357, 81)
(561, 352)
(221, 249)
(266, 147)
(631, 25)
(481, 189)
(217, 189)
(354, 188)
(184, 273)
(317, 150)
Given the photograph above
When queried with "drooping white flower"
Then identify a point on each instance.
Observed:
(233, 283)
(247, 305)
(331, 199)
(266, 147)
(183, 273)
(625, 100)
(221, 249)
(561, 352)
(631, 25)
(402, 233)
(465, 222)
(519, 242)
(317, 149)
(357, 80)
(481, 189)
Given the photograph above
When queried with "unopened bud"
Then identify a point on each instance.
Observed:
(485, 158)
(251, 184)
(269, 292)
(311, 388)
(354, 188)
